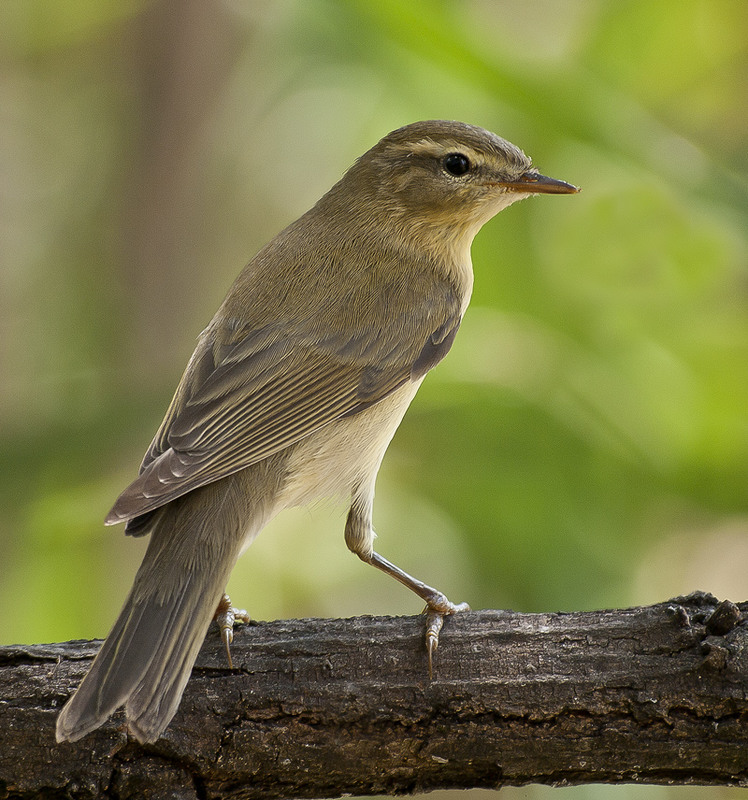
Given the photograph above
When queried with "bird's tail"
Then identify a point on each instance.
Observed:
(147, 658)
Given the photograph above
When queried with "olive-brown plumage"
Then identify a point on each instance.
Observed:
(293, 393)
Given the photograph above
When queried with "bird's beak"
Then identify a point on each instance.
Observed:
(534, 183)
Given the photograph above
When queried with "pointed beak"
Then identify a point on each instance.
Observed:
(534, 183)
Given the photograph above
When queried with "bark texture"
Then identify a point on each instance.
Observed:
(322, 708)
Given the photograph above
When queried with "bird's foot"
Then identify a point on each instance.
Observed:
(438, 607)
(226, 617)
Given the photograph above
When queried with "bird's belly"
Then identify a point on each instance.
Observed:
(345, 453)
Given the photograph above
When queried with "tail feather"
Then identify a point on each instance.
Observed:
(147, 659)
(144, 664)
(105, 687)
(155, 700)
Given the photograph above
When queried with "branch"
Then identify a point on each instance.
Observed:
(321, 708)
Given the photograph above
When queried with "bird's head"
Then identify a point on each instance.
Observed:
(445, 178)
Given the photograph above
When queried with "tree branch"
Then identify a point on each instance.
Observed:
(321, 708)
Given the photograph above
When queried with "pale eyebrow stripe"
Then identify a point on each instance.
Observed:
(430, 148)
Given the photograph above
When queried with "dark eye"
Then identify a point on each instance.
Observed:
(457, 164)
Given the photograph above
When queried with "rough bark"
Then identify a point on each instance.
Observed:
(322, 708)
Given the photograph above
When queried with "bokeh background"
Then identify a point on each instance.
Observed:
(585, 444)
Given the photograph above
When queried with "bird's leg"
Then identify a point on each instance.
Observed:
(225, 617)
(438, 605)
(359, 536)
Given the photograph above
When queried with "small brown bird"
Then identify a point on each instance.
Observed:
(294, 392)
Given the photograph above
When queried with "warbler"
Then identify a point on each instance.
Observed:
(293, 393)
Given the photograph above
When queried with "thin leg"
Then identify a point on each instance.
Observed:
(438, 605)
(359, 537)
(226, 616)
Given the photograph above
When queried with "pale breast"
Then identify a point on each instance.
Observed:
(344, 454)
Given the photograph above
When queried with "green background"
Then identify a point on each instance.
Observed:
(585, 444)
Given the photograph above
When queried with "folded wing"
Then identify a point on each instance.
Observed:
(260, 391)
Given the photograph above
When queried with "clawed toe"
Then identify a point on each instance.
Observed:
(226, 617)
(434, 622)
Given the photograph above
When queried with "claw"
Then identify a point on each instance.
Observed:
(437, 604)
(434, 623)
(226, 616)
(227, 634)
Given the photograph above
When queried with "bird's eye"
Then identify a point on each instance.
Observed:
(457, 164)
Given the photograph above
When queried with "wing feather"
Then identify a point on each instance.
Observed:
(248, 395)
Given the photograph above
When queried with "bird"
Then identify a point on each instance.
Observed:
(293, 393)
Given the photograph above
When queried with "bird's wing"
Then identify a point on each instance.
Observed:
(241, 402)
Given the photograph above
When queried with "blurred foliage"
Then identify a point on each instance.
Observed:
(586, 442)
